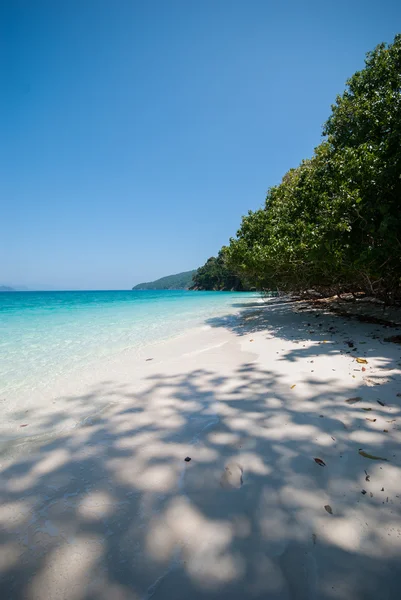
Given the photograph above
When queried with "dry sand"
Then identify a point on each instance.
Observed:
(98, 502)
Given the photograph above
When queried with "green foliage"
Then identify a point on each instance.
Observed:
(334, 222)
(180, 281)
(214, 275)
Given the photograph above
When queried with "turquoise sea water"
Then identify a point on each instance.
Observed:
(47, 334)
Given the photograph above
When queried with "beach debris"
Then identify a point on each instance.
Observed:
(391, 421)
(353, 400)
(380, 402)
(364, 369)
(251, 340)
(396, 339)
(367, 478)
(363, 492)
(371, 456)
(349, 343)
(314, 538)
(371, 495)
(24, 425)
(372, 420)
(333, 438)
(362, 361)
(328, 509)
(364, 408)
(320, 462)
(385, 430)
(148, 359)
(187, 458)
(382, 490)
(292, 387)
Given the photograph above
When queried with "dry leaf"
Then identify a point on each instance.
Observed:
(396, 339)
(366, 408)
(371, 456)
(328, 509)
(251, 340)
(320, 462)
(25, 425)
(292, 387)
(373, 420)
(362, 361)
(354, 400)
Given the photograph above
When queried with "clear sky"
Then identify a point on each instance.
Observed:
(136, 133)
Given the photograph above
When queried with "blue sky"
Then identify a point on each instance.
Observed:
(137, 133)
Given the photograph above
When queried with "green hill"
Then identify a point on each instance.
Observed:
(180, 281)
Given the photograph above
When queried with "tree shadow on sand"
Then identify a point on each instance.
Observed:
(111, 510)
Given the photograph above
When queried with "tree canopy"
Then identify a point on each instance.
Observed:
(214, 275)
(334, 222)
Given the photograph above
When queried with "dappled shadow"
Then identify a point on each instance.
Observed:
(111, 510)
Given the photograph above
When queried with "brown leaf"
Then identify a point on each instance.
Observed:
(328, 509)
(251, 340)
(363, 408)
(292, 387)
(25, 425)
(396, 339)
(320, 462)
(371, 456)
(362, 361)
(354, 400)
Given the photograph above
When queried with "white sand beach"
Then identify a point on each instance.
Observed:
(99, 503)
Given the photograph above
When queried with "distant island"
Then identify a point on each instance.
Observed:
(179, 281)
(6, 288)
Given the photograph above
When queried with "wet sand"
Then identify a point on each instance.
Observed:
(98, 501)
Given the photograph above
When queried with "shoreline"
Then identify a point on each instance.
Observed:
(112, 505)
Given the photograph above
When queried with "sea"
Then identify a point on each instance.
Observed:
(44, 335)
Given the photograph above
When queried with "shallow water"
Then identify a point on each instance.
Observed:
(44, 335)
